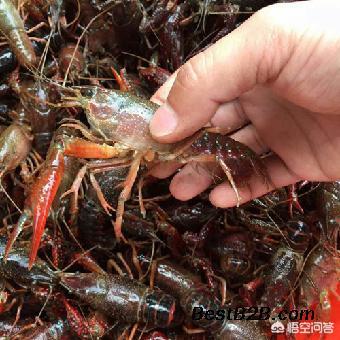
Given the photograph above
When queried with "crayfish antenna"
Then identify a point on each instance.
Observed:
(25, 216)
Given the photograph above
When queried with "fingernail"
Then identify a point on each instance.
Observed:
(164, 122)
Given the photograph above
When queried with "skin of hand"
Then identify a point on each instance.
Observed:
(278, 77)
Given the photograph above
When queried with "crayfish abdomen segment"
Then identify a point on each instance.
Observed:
(241, 161)
(126, 299)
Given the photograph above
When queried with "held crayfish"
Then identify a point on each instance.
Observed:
(123, 118)
(119, 124)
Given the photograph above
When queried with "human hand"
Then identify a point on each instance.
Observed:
(278, 76)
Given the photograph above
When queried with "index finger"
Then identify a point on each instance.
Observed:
(162, 93)
(221, 73)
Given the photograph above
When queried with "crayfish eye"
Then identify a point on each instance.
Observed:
(89, 92)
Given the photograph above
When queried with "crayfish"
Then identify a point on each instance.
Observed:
(119, 124)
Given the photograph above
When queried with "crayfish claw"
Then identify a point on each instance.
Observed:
(26, 215)
(42, 195)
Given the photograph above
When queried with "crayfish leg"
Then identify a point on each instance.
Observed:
(73, 124)
(88, 262)
(125, 194)
(294, 200)
(227, 172)
(25, 216)
(106, 206)
(140, 196)
(77, 322)
(75, 190)
(120, 79)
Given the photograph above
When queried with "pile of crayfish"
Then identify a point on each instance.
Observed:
(91, 245)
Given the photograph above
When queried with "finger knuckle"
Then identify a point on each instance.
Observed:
(192, 72)
(273, 19)
(260, 146)
(269, 15)
(275, 41)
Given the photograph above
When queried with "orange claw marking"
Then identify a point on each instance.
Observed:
(121, 81)
(85, 149)
(41, 198)
(77, 322)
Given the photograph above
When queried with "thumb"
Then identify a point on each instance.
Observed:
(254, 53)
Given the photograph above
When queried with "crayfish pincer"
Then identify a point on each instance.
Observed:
(122, 120)
(123, 298)
(42, 193)
(12, 27)
(15, 146)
